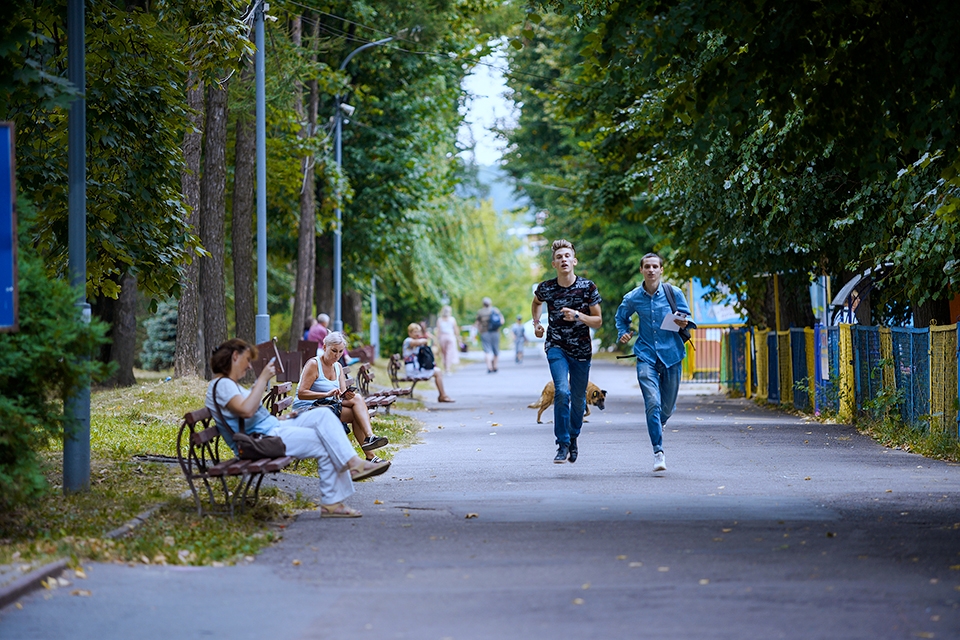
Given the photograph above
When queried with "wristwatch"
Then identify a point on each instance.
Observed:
(576, 315)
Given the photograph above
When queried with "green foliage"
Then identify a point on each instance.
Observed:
(161, 343)
(135, 123)
(774, 137)
(43, 363)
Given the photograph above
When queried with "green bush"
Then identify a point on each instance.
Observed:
(39, 366)
(161, 343)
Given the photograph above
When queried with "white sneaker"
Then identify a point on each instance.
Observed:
(658, 462)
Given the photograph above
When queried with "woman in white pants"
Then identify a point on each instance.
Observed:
(310, 434)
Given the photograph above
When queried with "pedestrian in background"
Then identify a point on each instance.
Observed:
(320, 330)
(448, 334)
(489, 322)
(659, 351)
(519, 339)
(573, 308)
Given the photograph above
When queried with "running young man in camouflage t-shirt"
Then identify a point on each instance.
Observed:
(573, 307)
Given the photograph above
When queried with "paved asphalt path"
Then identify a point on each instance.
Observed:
(764, 526)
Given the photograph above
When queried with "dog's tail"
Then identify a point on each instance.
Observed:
(538, 403)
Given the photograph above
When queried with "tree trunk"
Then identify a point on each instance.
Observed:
(188, 360)
(244, 185)
(324, 277)
(212, 205)
(938, 310)
(121, 314)
(353, 310)
(306, 247)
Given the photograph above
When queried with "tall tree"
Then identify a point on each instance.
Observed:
(212, 218)
(188, 360)
(242, 244)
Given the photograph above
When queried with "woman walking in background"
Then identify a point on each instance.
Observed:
(448, 333)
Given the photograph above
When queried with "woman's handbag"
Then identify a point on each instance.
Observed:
(335, 405)
(251, 446)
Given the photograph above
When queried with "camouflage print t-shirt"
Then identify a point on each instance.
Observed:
(572, 337)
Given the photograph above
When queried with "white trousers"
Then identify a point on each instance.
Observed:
(319, 434)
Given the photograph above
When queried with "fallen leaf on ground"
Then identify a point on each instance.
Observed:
(81, 592)
(80, 574)
(494, 424)
(472, 515)
(586, 585)
(635, 564)
(663, 569)
(578, 601)
(296, 563)
(377, 502)
(621, 557)
(704, 581)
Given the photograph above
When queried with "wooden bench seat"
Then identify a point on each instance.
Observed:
(373, 399)
(397, 373)
(199, 455)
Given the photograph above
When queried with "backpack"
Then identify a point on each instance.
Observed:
(425, 357)
(495, 321)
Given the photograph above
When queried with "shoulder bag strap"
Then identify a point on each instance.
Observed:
(668, 291)
(216, 403)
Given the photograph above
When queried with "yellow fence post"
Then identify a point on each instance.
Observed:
(943, 377)
(763, 366)
(845, 414)
(748, 365)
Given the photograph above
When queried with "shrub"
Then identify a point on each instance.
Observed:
(44, 362)
(161, 343)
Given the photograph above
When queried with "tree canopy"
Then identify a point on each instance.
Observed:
(766, 136)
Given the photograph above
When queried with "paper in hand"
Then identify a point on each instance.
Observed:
(668, 323)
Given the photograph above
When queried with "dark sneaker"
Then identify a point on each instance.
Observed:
(562, 451)
(573, 450)
(374, 442)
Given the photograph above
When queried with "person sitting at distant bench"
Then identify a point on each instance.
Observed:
(411, 348)
(324, 384)
(311, 434)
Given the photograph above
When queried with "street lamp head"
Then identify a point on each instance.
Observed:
(347, 109)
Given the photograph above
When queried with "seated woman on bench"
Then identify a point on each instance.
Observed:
(324, 384)
(411, 348)
(312, 434)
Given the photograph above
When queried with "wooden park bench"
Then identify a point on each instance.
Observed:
(199, 455)
(397, 372)
(375, 399)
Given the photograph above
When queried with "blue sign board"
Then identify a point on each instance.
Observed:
(9, 316)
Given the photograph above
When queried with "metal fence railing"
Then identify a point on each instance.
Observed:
(847, 369)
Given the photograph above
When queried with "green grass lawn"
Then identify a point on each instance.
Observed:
(126, 424)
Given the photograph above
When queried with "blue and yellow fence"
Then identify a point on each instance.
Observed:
(845, 369)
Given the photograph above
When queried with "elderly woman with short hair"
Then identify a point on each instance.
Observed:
(324, 384)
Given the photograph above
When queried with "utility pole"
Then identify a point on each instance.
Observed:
(263, 318)
(338, 157)
(76, 408)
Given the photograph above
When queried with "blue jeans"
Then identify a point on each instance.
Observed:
(569, 395)
(659, 385)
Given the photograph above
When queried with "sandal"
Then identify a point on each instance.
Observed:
(445, 399)
(376, 459)
(369, 470)
(338, 510)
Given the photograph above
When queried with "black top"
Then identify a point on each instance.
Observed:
(572, 337)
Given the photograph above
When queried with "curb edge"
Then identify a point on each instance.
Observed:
(29, 582)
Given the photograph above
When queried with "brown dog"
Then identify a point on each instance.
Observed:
(595, 395)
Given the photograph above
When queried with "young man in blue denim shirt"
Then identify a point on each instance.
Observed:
(659, 352)
(573, 308)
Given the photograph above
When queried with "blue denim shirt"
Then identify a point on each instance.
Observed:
(653, 343)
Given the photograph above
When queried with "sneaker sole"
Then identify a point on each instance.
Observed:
(664, 468)
(376, 444)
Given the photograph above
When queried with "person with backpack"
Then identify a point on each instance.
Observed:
(419, 361)
(659, 351)
(573, 309)
(489, 323)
